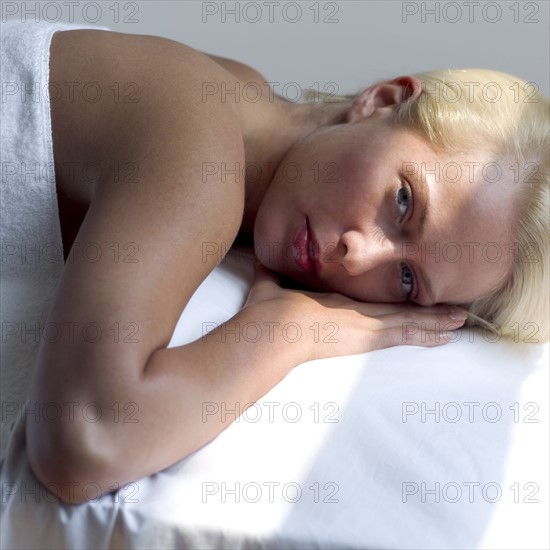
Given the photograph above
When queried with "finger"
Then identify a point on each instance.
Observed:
(397, 337)
(377, 310)
(418, 321)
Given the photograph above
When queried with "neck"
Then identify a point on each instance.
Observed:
(270, 130)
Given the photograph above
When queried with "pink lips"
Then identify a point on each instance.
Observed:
(306, 250)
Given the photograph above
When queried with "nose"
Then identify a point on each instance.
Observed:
(358, 253)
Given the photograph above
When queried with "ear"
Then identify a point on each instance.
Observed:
(384, 94)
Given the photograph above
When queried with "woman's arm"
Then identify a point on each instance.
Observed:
(160, 225)
(185, 396)
(168, 216)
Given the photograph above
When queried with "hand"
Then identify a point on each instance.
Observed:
(346, 326)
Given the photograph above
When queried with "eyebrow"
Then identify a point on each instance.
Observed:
(422, 189)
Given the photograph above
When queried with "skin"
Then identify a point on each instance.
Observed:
(170, 211)
(365, 236)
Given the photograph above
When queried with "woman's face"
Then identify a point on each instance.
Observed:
(346, 212)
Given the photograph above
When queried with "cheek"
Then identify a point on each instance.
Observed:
(263, 224)
(327, 187)
(262, 238)
(354, 173)
(271, 220)
(351, 196)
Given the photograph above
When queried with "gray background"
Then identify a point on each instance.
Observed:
(349, 43)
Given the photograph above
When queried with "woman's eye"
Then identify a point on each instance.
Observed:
(407, 281)
(404, 200)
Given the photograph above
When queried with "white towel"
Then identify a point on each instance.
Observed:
(31, 245)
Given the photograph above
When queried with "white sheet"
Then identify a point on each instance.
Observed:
(361, 440)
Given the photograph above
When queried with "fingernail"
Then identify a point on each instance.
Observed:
(458, 314)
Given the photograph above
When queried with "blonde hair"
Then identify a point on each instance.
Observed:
(469, 108)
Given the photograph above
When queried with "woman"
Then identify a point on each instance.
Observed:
(345, 199)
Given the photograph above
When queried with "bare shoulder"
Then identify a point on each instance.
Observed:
(242, 71)
(110, 48)
(99, 77)
(174, 204)
(114, 55)
(121, 101)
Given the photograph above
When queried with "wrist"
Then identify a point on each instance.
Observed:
(276, 327)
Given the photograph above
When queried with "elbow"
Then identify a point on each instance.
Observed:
(72, 462)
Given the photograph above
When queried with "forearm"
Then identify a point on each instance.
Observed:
(232, 365)
(237, 363)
